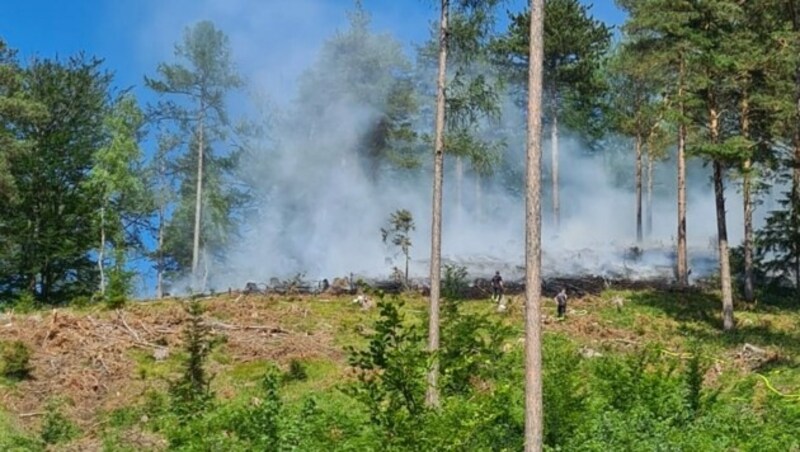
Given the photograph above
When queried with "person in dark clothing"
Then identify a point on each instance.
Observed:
(561, 301)
(497, 287)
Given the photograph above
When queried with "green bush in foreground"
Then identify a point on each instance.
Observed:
(638, 401)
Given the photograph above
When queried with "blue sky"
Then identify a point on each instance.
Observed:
(273, 40)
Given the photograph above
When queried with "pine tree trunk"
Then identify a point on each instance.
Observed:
(101, 254)
(478, 197)
(534, 419)
(407, 259)
(198, 203)
(795, 198)
(649, 222)
(722, 227)
(432, 393)
(459, 190)
(724, 257)
(204, 280)
(795, 201)
(160, 254)
(638, 188)
(554, 163)
(683, 264)
(749, 292)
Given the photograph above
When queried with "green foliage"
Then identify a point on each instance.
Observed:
(120, 283)
(191, 394)
(118, 178)
(694, 374)
(14, 359)
(268, 424)
(564, 390)
(46, 238)
(574, 46)
(17, 109)
(779, 244)
(81, 302)
(56, 427)
(643, 398)
(192, 112)
(391, 376)
(760, 278)
(472, 349)
(26, 303)
(454, 282)
(297, 372)
(398, 232)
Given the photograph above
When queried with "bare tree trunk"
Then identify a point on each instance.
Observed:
(534, 418)
(749, 294)
(101, 254)
(478, 197)
(749, 291)
(796, 201)
(198, 204)
(554, 164)
(204, 281)
(795, 198)
(722, 227)
(160, 262)
(459, 190)
(649, 223)
(432, 394)
(683, 264)
(724, 258)
(407, 259)
(638, 188)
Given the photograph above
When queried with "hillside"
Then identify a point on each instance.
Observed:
(96, 365)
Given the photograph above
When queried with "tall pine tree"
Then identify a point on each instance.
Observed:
(193, 93)
(47, 225)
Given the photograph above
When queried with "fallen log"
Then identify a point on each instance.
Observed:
(225, 326)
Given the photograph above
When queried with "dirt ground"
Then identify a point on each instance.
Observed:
(88, 360)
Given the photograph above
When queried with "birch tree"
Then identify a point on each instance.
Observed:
(117, 177)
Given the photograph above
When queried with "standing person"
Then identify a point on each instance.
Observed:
(561, 301)
(497, 287)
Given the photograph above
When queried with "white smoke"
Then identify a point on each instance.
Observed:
(321, 213)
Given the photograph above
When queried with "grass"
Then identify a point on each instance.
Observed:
(678, 323)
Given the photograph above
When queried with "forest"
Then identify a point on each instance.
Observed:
(177, 248)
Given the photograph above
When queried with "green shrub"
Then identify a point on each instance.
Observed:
(454, 282)
(26, 303)
(564, 390)
(120, 282)
(81, 302)
(191, 394)
(297, 372)
(391, 377)
(471, 349)
(56, 427)
(15, 359)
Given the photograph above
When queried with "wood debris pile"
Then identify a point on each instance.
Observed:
(91, 361)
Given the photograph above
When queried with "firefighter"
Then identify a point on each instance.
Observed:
(497, 287)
